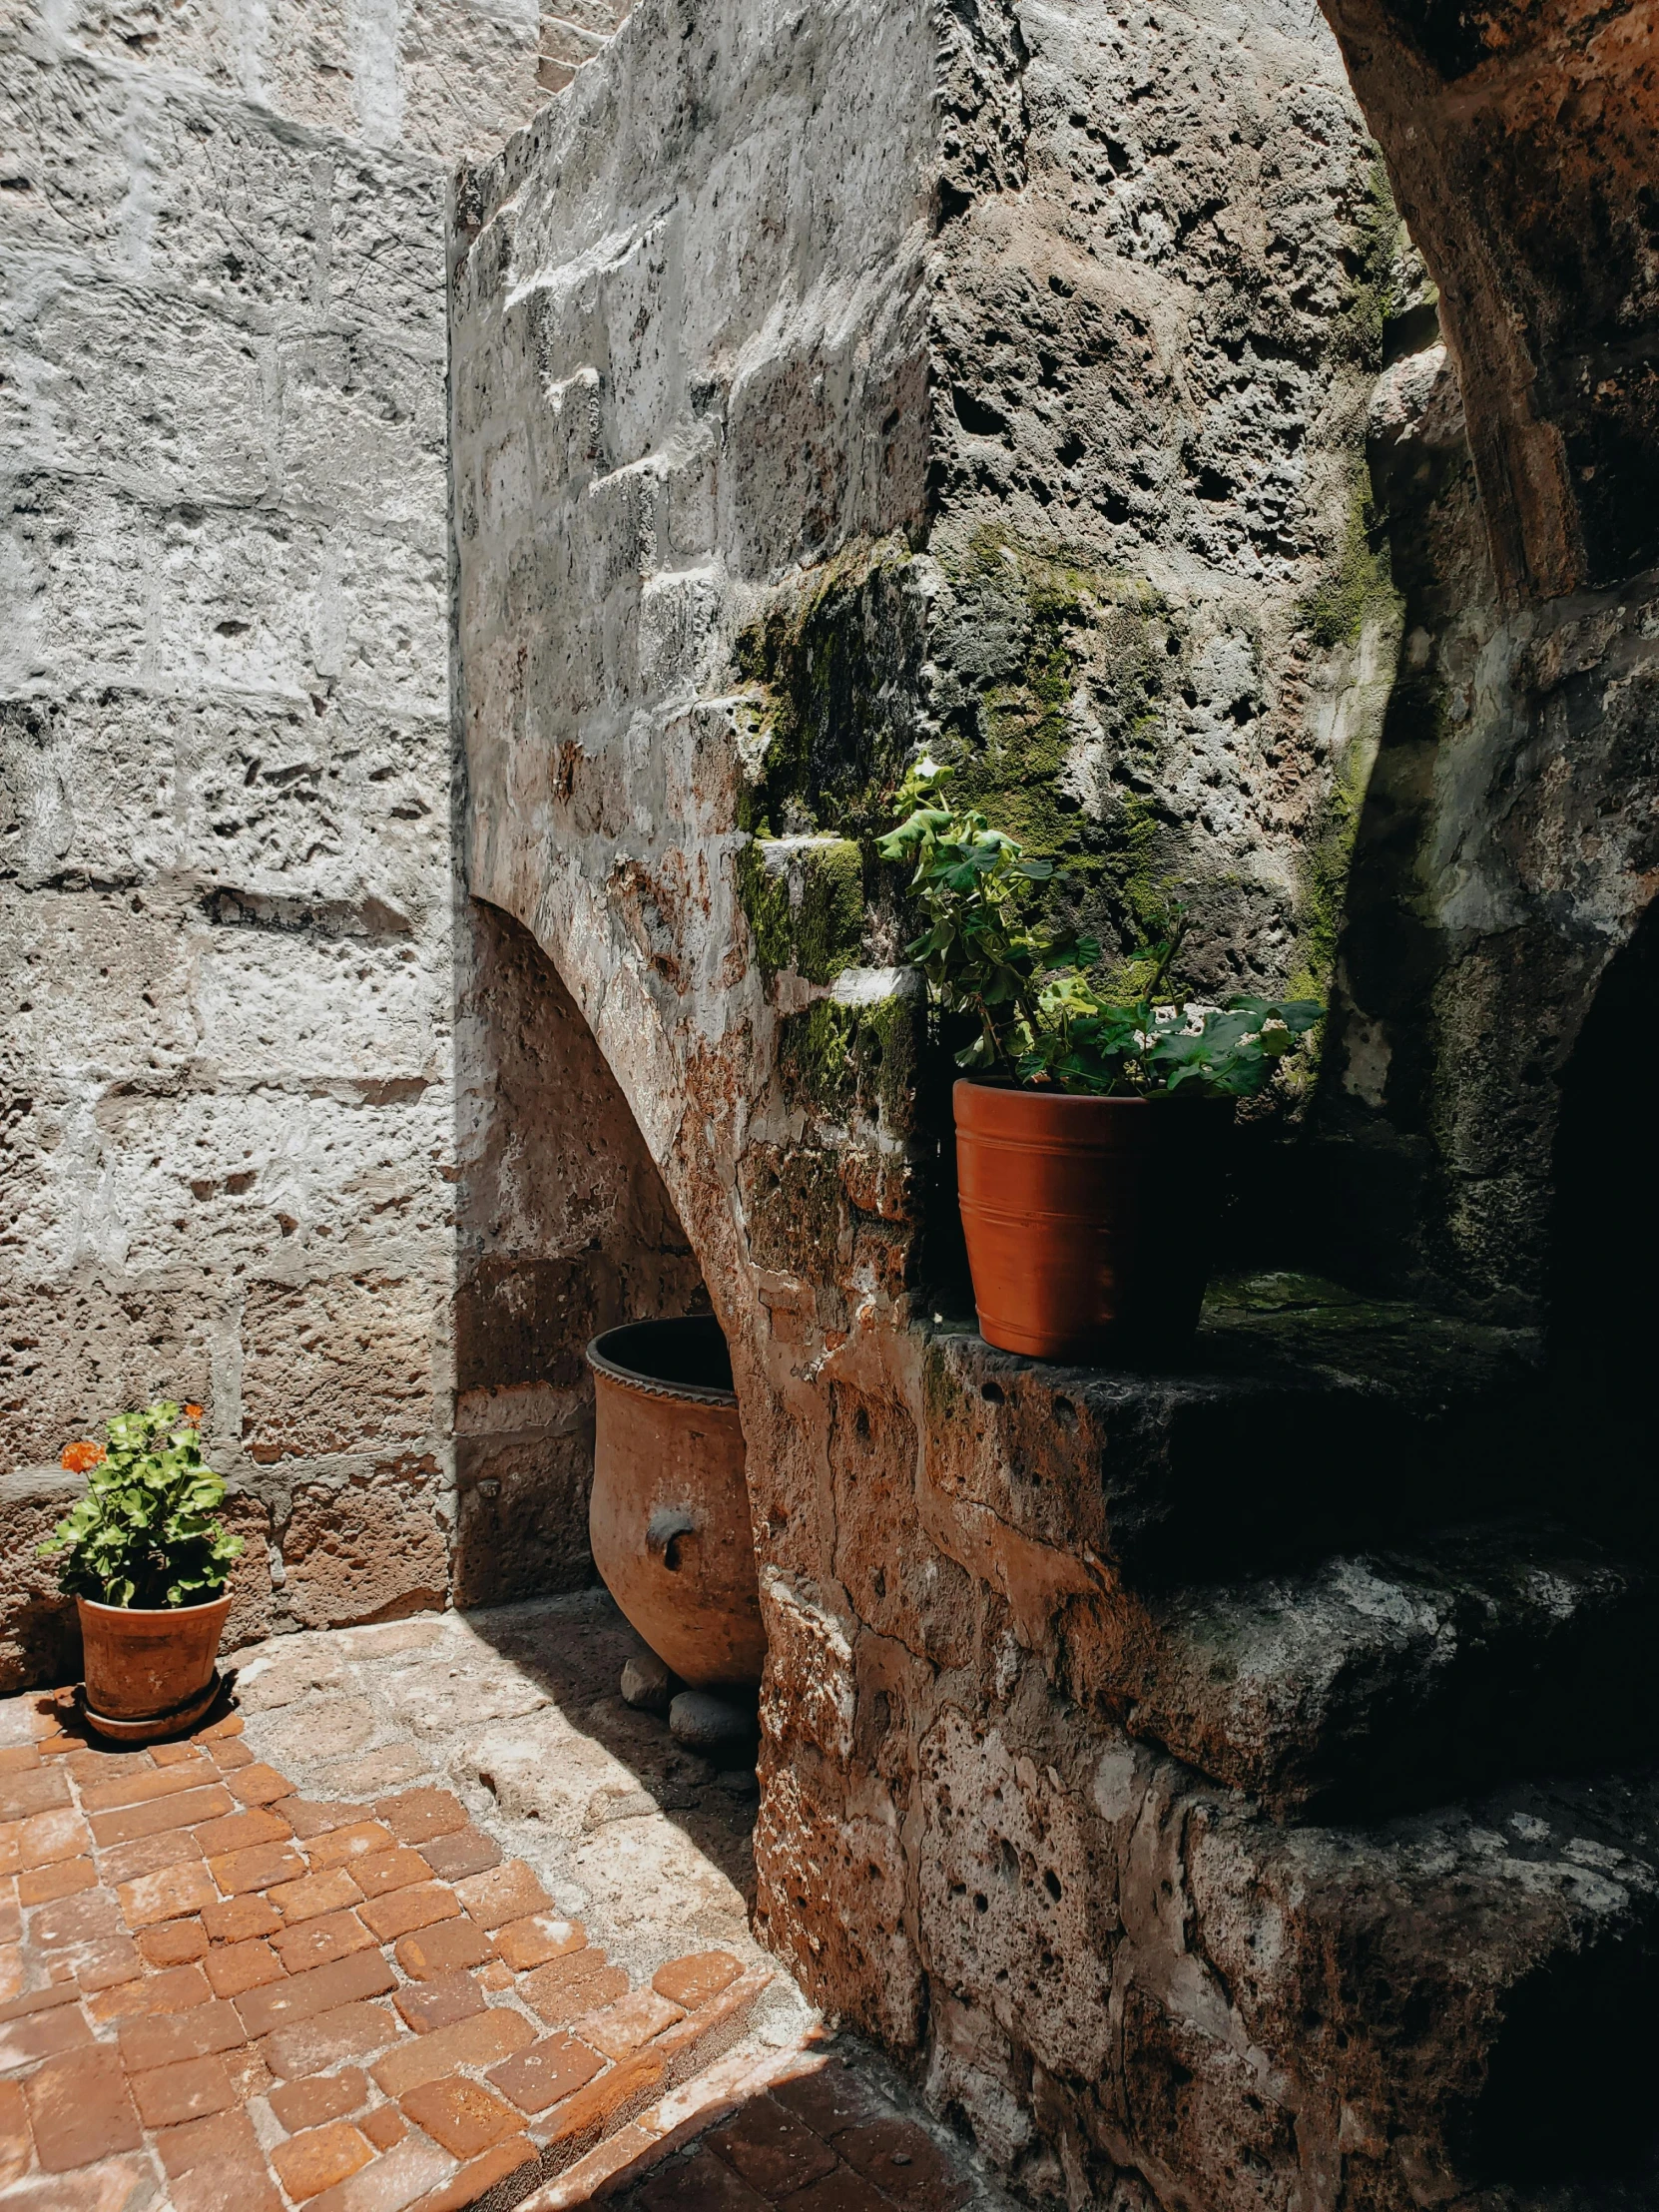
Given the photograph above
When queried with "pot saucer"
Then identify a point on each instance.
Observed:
(154, 1725)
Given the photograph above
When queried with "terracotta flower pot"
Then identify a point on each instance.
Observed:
(149, 1672)
(1089, 1221)
(669, 1516)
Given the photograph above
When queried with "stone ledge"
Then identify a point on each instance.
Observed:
(1306, 1420)
(1396, 1679)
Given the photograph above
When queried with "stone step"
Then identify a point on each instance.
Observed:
(1385, 1680)
(1306, 1421)
(1397, 2014)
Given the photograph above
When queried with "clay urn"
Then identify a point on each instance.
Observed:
(1090, 1222)
(669, 1515)
(149, 1672)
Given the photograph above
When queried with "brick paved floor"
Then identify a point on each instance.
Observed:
(224, 1991)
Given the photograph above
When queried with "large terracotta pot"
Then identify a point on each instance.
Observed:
(1089, 1221)
(669, 1516)
(149, 1672)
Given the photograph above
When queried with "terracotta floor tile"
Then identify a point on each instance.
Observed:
(695, 1980)
(250, 2074)
(161, 1813)
(159, 2042)
(259, 1823)
(536, 1939)
(394, 2182)
(173, 1943)
(173, 1895)
(103, 1966)
(480, 2175)
(314, 1895)
(384, 2126)
(130, 1784)
(480, 2041)
(402, 1911)
(313, 2045)
(431, 2005)
(300, 2105)
(774, 2150)
(561, 1995)
(234, 1969)
(188, 2089)
(841, 2190)
(322, 1990)
(171, 1990)
(314, 2161)
(66, 1879)
(240, 1917)
(830, 2098)
(443, 1948)
(700, 2183)
(510, 1892)
(11, 1970)
(462, 2115)
(227, 2134)
(550, 2070)
(256, 1869)
(227, 1757)
(178, 1755)
(623, 2087)
(390, 1870)
(34, 1791)
(625, 2026)
(19, 1759)
(75, 1920)
(49, 1836)
(259, 1785)
(904, 2161)
(310, 1817)
(227, 2185)
(464, 1851)
(418, 1815)
(355, 1840)
(38, 2035)
(148, 1855)
(78, 2110)
(16, 2137)
(316, 1942)
(112, 2183)
(218, 1731)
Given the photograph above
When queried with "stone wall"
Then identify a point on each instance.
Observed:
(231, 925)
(1507, 852)
(843, 379)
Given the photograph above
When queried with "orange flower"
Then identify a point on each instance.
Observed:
(193, 1412)
(78, 1458)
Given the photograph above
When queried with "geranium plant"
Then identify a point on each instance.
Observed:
(987, 953)
(147, 1533)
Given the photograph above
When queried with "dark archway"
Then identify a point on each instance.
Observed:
(563, 1228)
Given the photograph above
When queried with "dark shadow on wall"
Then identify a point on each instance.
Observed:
(563, 1228)
(1604, 1289)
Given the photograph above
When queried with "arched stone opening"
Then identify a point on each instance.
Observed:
(563, 1228)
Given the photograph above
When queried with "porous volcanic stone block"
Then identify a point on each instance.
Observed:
(363, 1550)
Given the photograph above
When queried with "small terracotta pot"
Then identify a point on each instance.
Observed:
(1089, 1221)
(669, 1515)
(149, 1671)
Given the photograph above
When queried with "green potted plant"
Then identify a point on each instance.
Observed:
(145, 1558)
(1091, 1129)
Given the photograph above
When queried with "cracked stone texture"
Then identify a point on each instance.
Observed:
(269, 1087)
(831, 383)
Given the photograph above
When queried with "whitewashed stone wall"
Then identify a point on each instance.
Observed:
(227, 908)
